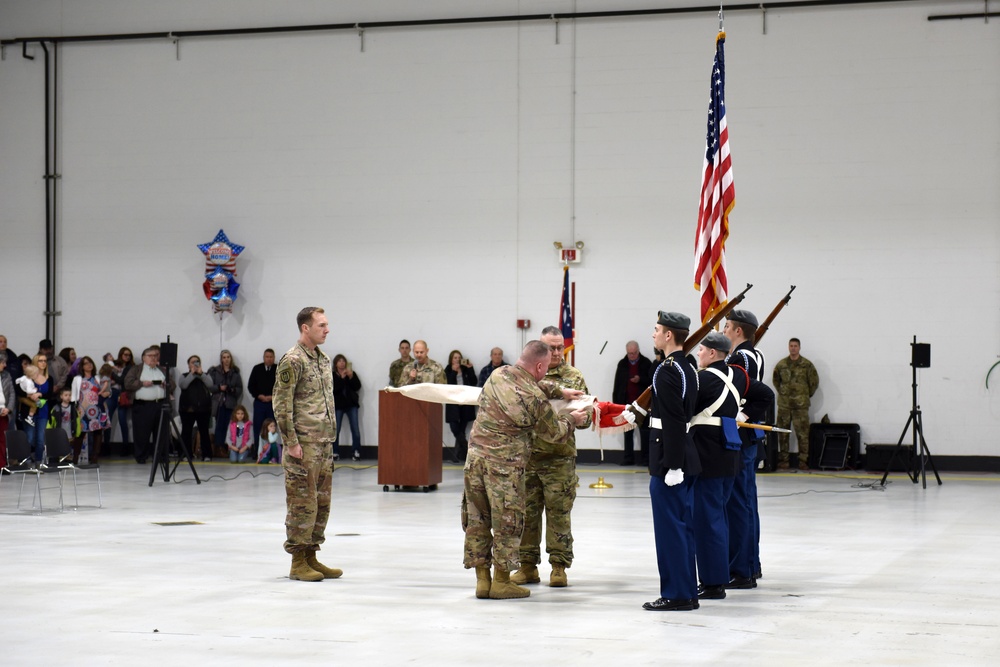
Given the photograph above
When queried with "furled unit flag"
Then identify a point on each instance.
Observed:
(718, 196)
(566, 313)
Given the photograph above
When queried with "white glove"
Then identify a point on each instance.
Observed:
(742, 417)
(674, 477)
(628, 416)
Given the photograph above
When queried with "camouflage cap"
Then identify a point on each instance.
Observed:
(744, 316)
(673, 320)
(716, 341)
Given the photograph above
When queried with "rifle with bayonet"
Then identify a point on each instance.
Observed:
(640, 407)
(762, 329)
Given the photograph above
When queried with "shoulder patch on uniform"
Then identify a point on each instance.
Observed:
(286, 377)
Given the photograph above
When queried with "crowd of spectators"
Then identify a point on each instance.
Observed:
(115, 407)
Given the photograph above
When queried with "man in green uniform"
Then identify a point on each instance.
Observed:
(795, 381)
(421, 369)
(304, 412)
(513, 410)
(550, 483)
(396, 367)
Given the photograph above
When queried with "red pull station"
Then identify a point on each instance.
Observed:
(524, 324)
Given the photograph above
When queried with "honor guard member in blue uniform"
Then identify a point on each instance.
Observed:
(673, 466)
(720, 393)
(744, 521)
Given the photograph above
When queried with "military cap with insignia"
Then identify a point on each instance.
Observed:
(673, 320)
(744, 316)
(716, 341)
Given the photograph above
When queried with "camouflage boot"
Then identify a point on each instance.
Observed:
(483, 582)
(301, 569)
(502, 589)
(558, 577)
(526, 574)
(327, 572)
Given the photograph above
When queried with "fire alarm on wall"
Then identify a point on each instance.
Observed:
(524, 324)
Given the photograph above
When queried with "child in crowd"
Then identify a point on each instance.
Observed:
(238, 435)
(66, 417)
(29, 385)
(270, 443)
(104, 378)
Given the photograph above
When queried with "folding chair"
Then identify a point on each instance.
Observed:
(58, 447)
(19, 463)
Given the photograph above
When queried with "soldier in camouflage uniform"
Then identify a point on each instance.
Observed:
(513, 410)
(396, 367)
(795, 381)
(304, 413)
(421, 369)
(550, 483)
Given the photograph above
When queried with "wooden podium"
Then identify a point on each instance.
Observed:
(409, 442)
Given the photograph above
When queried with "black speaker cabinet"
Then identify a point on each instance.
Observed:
(168, 354)
(878, 457)
(921, 355)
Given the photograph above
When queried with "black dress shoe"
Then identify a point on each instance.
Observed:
(741, 583)
(712, 592)
(663, 604)
(758, 575)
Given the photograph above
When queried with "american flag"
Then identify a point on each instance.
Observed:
(566, 313)
(718, 196)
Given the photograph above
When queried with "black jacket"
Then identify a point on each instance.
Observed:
(345, 391)
(619, 391)
(675, 391)
(460, 413)
(261, 381)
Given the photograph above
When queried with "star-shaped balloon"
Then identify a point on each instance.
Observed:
(221, 251)
(218, 277)
(223, 299)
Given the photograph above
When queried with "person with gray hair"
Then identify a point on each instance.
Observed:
(631, 379)
(496, 361)
(150, 385)
(513, 410)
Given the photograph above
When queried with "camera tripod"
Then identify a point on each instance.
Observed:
(161, 456)
(921, 453)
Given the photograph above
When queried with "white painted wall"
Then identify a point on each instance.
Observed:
(415, 189)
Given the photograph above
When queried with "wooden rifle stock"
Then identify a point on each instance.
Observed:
(762, 329)
(640, 407)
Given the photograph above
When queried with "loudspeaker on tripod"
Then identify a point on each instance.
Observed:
(168, 354)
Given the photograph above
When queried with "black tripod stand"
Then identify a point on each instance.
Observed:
(161, 450)
(920, 358)
(165, 424)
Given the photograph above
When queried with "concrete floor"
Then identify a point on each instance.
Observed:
(853, 575)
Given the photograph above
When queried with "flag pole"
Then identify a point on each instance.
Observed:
(572, 306)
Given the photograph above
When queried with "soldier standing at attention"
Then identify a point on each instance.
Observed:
(397, 366)
(421, 369)
(550, 482)
(513, 410)
(673, 466)
(795, 380)
(744, 518)
(304, 413)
